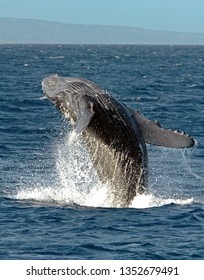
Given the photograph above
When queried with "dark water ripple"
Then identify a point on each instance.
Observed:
(64, 233)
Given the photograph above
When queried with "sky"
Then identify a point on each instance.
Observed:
(172, 15)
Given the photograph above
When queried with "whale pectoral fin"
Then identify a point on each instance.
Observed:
(85, 114)
(154, 134)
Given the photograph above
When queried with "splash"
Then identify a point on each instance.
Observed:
(99, 196)
(77, 183)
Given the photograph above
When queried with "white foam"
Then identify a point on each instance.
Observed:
(148, 201)
(99, 196)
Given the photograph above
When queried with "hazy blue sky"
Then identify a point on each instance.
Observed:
(177, 15)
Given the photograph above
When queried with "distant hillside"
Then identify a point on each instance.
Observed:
(29, 31)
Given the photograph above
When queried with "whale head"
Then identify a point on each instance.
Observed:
(70, 98)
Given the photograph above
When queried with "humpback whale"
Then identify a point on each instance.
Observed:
(114, 134)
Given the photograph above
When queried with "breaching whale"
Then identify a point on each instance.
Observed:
(114, 134)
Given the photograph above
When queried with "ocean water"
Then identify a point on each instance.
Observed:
(52, 205)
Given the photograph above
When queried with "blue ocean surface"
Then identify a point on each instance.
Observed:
(52, 205)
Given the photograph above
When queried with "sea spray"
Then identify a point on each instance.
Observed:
(77, 182)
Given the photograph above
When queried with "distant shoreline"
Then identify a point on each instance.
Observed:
(31, 31)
